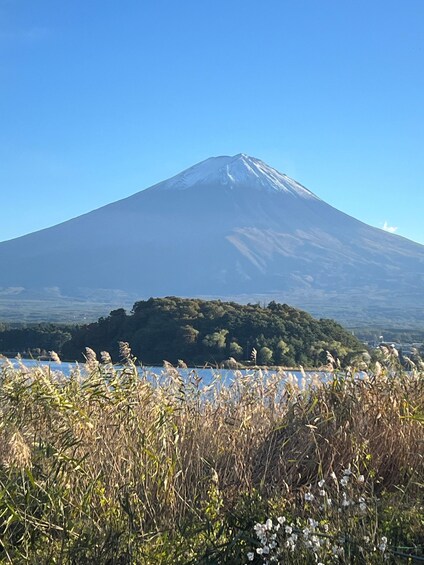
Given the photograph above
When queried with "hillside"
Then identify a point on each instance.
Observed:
(199, 332)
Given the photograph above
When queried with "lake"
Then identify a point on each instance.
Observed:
(206, 374)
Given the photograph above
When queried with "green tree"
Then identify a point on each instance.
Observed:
(281, 352)
(216, 340)
(188, 335)
(265, 355)
(236, 350)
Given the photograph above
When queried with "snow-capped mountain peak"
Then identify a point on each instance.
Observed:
(231, 172)
(229, 227)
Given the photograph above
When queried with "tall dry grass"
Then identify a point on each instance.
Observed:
(110, 466)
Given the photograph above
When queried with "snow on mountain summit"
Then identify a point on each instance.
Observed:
(238, 171)
(230, 227)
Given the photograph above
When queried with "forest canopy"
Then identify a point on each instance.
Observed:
(198, 332)
(34, 339)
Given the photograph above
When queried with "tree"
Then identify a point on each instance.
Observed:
(281, 352)
(188, 335)
(236, 350)
(216, 340)
(265, 356)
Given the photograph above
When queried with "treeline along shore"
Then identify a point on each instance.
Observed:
(196, 332)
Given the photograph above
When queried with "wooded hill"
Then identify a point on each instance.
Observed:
(34, 339)
(199, 332)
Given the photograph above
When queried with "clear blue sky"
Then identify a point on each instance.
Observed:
(100, 99)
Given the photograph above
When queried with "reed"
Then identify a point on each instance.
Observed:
(110, 466)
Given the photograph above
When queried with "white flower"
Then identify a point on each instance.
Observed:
(383, 544)
(347, 472)
(322, 493)
(344, 481)
(250, 556)
(268, 524)
(309, 496)
(345, 501)
(288, 529)
(313, 523)
(361, 479)
(259, 550)
(281, 519)
(362, 504)
(321, 483)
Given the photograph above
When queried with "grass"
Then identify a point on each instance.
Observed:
(108, 467)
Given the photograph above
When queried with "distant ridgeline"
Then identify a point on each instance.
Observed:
(198, 332)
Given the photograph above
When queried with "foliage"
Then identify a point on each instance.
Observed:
(34, 339)
(110, 466)
(199, 331)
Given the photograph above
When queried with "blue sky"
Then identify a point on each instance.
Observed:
(100, 99)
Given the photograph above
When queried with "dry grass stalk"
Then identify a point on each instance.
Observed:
(116, 452)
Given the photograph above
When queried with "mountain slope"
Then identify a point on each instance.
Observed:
(229, 226)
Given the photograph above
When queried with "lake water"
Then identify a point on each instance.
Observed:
(206, 375)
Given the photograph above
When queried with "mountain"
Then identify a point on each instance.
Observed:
(230, 227)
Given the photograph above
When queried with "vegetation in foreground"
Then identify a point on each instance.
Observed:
(108, 467)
